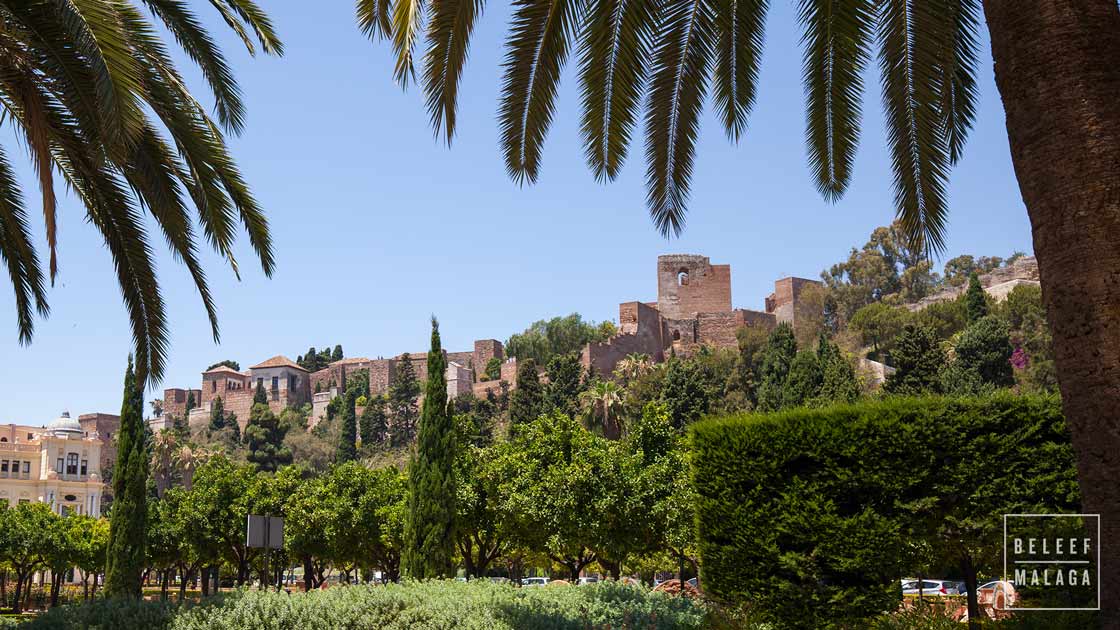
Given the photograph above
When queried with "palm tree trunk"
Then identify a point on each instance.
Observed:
(1057, 68)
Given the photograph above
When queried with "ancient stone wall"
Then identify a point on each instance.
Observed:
(688, 284)
(484, 350)
(105, 426)
(647, 337)
(783, 302)
(175, 400)
(719, 329)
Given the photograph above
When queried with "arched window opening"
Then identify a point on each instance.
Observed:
(682, 278)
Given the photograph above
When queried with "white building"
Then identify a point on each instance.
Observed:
(59, 464)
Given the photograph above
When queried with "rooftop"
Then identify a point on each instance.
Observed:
(278, 361)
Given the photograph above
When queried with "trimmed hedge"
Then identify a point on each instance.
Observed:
(434, 605)
(808, 514)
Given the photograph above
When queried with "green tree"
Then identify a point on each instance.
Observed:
(599, 401)
(217, 415)
(918, 361)
(544, 339)
(230, 363)
(976, 300)
(347, 450)
(337, 354)
(526, 402)
(838, 378)
(259, 395)
(25, 540)
(493, 370)
(777, 357)
(565, 382)
(985, 349)
(804, 381)
(125, 559)
(430, 524)
(374, 423)
(402, 402)
(877, 325)
(682, 393)
(97, 99)
(264, 439)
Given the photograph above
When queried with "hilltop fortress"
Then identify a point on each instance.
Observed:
(693, 308)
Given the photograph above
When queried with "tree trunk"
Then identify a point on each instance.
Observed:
(969, 571)
(205, 581)
(308, 574)
(1057, 66)
(56, 584)
(17, 605)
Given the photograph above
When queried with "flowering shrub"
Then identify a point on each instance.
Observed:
(434, 605)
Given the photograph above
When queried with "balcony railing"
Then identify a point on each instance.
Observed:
(15, 475)
(19, 448)
(68, 477)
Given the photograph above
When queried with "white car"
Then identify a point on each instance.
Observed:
(591, 579)
(931, 588)
(534, 581)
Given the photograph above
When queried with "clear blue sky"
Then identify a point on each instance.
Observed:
(377, 225)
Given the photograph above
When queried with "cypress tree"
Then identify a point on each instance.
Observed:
(777, 357)
(976, 301)
(259, 397)
(804, 381)
(374, 423)
(526, 402)
(839, 382)
(128, 522)
(337, 354)
(264, 439)
(430, 520)
(565, 383)
(918, 361)
(682, 393)
(217, 415)
(402, 402)
(347, 450)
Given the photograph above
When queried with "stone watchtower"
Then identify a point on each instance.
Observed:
(688, 284)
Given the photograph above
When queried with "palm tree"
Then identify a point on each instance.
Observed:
(95, 97)
(633, 366)
(598, 400)
(1055, 68)
(189, 458)
(164, 445)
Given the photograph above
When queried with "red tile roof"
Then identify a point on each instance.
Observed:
(278, 361)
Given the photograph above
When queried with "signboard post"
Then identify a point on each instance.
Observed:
(265, 532)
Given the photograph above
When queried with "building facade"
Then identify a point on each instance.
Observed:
(59, 465)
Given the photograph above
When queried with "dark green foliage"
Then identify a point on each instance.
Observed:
(402, 402)
(976, 301)
(347, 450)
(944, 319)
(526, 402)
(777, 357)
(230, 363)
(358, 383)
(838, 378)
(804, 382)
(259, 397)
(560, 335)
(264, 440)
(565, 382)
(493, 370)
(683, 394)
(803, 512)
(128, 523)
(337, 354)
(475, 418)
(878, 324)
(651, 433)
(316, 360)
(918, 361)
(985, 349)
(374, 423)
(430, 520)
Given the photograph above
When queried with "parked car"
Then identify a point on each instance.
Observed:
(931, 588)
(999, 594)
(534, 581)
(590, 579)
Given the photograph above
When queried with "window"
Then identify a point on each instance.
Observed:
(85, 466)
(4, 466)
(72, 464)
(213, 386)
(682, 278)
(27, 468)
(31, 436)
(260, 382)
(275, 383)
(22, 501)
(59, 467)
(2, 439)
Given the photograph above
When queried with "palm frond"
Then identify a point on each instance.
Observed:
(739, 37)
(958, 72)
(375, 18)
(449, 32)
(27, 99)
(407, 22)
(837, 36)
(912, 39)
(614, 50)
(200, 47)
(236, 11)
(537, 47)
(18, 254)
(676, 97)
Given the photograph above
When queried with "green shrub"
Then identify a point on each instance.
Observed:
(805, 513)
(434, 605)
